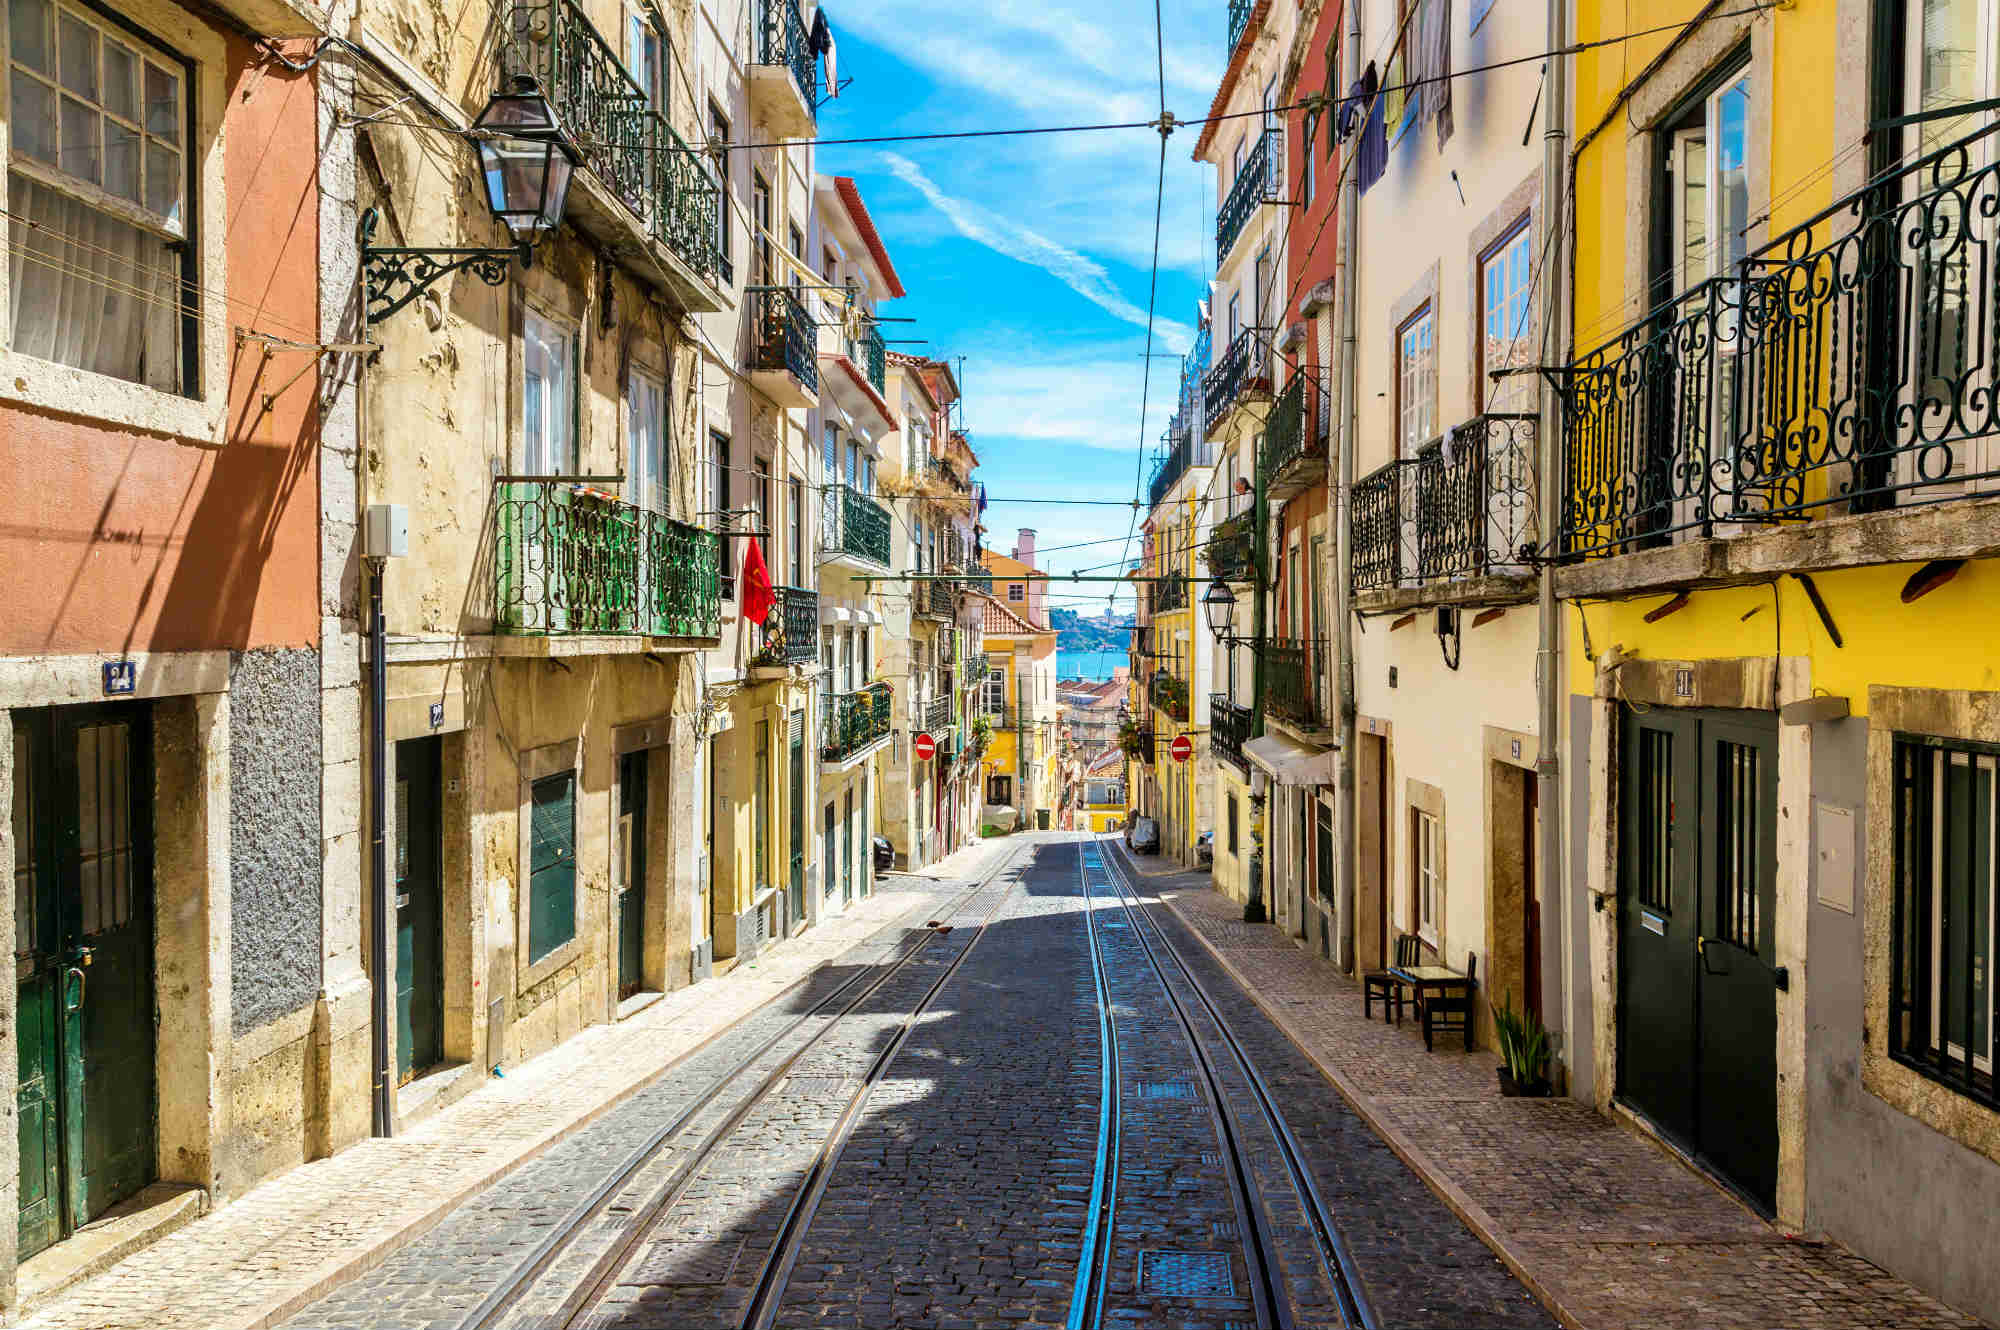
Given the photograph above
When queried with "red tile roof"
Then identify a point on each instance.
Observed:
(1000, 619)
(851, 196)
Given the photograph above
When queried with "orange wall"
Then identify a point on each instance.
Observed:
(114, 540)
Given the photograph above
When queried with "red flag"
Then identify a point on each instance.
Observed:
(757, 596)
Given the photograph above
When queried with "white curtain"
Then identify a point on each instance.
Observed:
(91, 291)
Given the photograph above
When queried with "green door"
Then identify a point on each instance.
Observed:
(84, 958)
(551, 864)
(419, 907)
(798, 842)
(632, 870)
(847, 851)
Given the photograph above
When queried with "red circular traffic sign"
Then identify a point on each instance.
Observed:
(925, 747)
(1183, 748)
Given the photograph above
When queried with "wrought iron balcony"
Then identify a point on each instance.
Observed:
(1169, 693)
(1293, 670)
(1180, 450)
(854, 721)
(571, 560)
(937, 716)
(1292, 455)
(1170, 595)
(1464, 506)
(1231, 551)
(1845, 367)
(977, 666)
(782, 337)
(1260, 180)
(1239, 19)
(790, 636)
(1229, 728)
(853, 525)
(781, 40)
(946, 475)
(938, 600)
(625, 142)
(1243, 369)
(980, 580)
(872, 354)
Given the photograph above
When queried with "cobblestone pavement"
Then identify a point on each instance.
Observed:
(1609, 1229)
(271, 1251)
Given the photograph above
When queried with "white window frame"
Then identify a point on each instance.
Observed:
(648, 479)
(1416, 380)
(1426, 852)
(538, 448)
(1981, 1060)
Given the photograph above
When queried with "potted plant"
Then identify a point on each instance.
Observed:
(1524, 1051)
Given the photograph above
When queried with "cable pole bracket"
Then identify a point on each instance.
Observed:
(1166, 124)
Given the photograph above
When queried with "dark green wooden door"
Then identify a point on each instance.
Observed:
(632, 871)
(847, 851)
(551, 864)
(419, 906)
(84, 952)
(1697, 1010)
(798, 842)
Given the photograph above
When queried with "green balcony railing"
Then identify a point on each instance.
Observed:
(937, 716)
(782, 336)
(570, 560)
(1292, 688)
(1231, 552)
(938, 600)
(1239, 19)
(852, 523)
(854, 721)
(625, 142)
(790, 633)
(872, 354)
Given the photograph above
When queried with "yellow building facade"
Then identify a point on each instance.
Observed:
(1019, 702)
(1776, 529)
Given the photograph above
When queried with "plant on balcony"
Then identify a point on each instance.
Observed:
(1170, 694)
(1131, 741)
(772, 652)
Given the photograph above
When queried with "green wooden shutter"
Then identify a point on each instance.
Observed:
(551, 864)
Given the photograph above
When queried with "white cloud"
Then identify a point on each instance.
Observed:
(1081, 274)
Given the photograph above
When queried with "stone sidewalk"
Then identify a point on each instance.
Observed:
(1609, 1230)
(281, 1245)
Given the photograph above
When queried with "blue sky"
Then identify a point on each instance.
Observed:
(1030, 256)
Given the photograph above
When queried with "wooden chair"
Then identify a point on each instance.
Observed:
(1451, 1011)
(1391, 987)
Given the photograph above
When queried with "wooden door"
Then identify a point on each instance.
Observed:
(632, 871)
(419, 907)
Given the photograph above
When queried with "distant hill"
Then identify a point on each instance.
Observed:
(1076, 633)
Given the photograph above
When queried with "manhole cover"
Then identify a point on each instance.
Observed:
(1165, 1090)
(686, 1263)
(1186, 1274)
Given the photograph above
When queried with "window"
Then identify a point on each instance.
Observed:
(1232, 823)
(1709, 189)
(1333, 88)
(1424, 856)
(98, 182)
(648, 60)
(1016, 592)
(798, 532)
(551, 864)
(1409, 28)
(1941, 1007)
(994, 698)
(646, 441)
(797, 240)
(548, 397)
(1416, 382)
(763, 266)
(829, 266)
(760, 799)
(1306, 158)
(718, 505)
(1000, 790)
(725, 233)
(1506, 320)
(760, 503)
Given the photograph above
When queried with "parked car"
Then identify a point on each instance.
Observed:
(1204, 848)
(1145, 836)
(885, 854)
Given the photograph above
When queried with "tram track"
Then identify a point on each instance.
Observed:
(1218, 1058)
(503, 1303)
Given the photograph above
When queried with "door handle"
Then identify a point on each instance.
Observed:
(1701, 953)
(73, 972)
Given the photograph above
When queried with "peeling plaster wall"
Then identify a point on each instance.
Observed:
(274, 861)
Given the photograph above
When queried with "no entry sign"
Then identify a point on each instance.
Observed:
(925, 747)
(1183, 749)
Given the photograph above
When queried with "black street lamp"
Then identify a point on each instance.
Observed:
(527, 160)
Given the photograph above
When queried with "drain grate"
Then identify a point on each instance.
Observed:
(1165, 1090)
(1223, 1230)
(690, 1263)
(1186, 1274)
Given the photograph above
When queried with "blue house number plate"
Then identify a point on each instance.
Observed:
(120, 676)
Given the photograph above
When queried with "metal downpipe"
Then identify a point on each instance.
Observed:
(1343, 520)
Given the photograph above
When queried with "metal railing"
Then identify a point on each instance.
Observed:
(624, 141)
(1464, 506)
(782, 41)
(789, 635)
(1169, 693)
(854, 721)
(1296, 428)
(782, 336)
(1847, 366)
(570, 560)
(1169, 595)
(936, 468)
(1244, 367)
(1260, 180)
(1231, 551)
(1180, 449)
(852, 523)
(873, 355)
(939, 600)
(1229, 728)
(977, 667)
(1239, 19)
(937, 716)
(1292, 680)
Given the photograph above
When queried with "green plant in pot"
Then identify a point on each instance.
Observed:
(1524, 1051)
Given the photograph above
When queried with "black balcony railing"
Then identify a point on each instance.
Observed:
(1229, 728)
(782, 41)
(852, 523)
(624, 140)
(1171, 594)
(939, 600)
(782, 336)
(1260, 180)
(937, 716)
(854, 721)
(1231, 551)
(945, 474)
(1464, 506)
(1181, 447)
(1243, 368)
(790, 635)
(1848, 366)
(1295, 433)
(1292, 675)
(1239, 19)
(570, 560)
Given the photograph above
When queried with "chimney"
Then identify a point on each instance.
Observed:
(1024, 550)
(1024, 546)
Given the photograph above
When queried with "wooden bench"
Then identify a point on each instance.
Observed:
(1391, 985)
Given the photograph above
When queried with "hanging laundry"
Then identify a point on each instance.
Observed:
(1354, 107)
(1434, 56)
(1372, 156)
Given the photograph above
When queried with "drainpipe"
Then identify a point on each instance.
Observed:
(1343, 521)
(1548, 652)
(1254, 909)
(383, 989)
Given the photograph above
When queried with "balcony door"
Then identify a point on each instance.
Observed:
(540, 523)
(646, 487)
